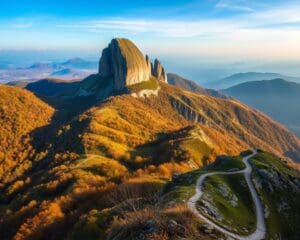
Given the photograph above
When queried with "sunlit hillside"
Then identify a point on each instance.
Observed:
(110, 152)
(21, 116)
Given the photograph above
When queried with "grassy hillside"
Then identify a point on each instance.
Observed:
(51, 87)
(244, 123)
(279, 187)
(103, 163)
(189, 85)
(227, 200)
(230, 196)
(233, 118)
(21, 114)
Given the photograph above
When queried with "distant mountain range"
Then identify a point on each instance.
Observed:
(192, 86)
(69, 73)
(278, 98)
(75, 68)
(79, 63)
(75, 63)
(247, 77)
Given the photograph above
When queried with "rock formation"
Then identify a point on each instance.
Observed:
(123, 61)
(158, 71)
(149, 65)
(126, 65)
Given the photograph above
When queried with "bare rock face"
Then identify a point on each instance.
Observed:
(105, 68)
(158, 71)
(149, 65)
(124, 63)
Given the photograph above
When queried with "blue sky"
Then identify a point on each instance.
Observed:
(214, 30)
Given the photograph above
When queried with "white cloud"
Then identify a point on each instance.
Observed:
(167, 28)
(246, 36)
(236, 5)
(272, 32)
(279, 14)
(265, 20)
(22, 25)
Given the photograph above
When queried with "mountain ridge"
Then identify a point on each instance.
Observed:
(249, 76)
(176, 80)
(278, 98)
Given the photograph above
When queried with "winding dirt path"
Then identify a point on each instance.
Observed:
(260, 231)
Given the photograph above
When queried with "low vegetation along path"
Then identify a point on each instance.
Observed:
(260, 221)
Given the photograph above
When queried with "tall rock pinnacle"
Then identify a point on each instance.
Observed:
(148, 61)
(125, 64)
(158, 71)
(123, 61)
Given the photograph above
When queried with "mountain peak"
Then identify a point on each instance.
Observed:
(75, 59)
(126, 64)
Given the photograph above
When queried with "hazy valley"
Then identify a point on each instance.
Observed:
(75, 68)
(278, 98)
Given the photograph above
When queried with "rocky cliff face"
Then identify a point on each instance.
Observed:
(158, 71)
(124, 62)
(149, 65)
(126, 65)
